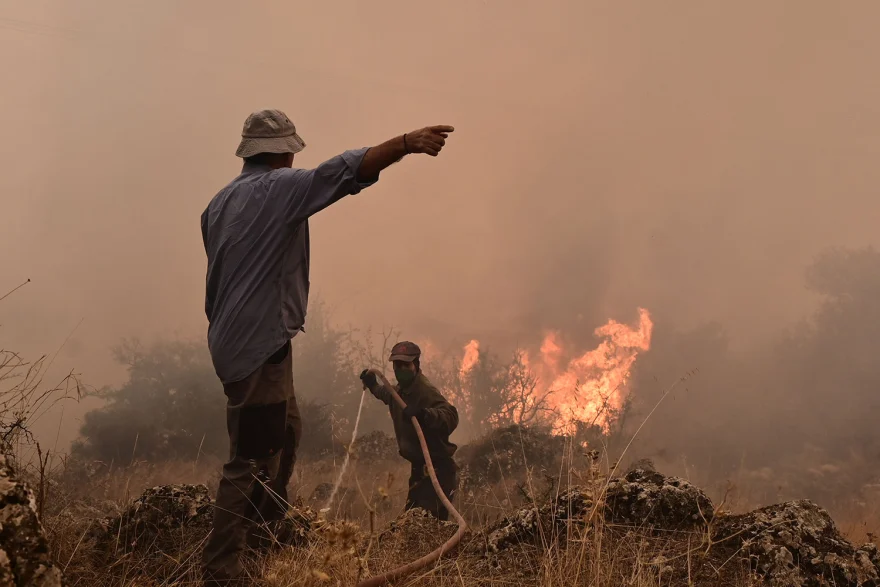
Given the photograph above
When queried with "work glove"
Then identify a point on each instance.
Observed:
(369, 379)
(412, 410)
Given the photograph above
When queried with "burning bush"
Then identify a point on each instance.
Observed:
(555, 386)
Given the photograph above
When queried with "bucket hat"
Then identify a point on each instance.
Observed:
(268, 131)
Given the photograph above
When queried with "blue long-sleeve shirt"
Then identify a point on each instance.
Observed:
(256, 236)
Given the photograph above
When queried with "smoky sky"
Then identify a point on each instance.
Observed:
(686, 157)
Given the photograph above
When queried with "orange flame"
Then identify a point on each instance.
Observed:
(594, 385)
(588, 388)
(471, 356)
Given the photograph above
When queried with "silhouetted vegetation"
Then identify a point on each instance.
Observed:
(173, 406)
(806, 401)
(803, 405)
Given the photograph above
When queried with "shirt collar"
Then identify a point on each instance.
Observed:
(249, 168)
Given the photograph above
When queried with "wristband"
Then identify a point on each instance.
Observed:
(405, 147)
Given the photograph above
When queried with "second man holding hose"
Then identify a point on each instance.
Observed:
(437, 418)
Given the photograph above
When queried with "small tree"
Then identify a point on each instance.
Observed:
(494, 394)
(522, 403)
(173, 406)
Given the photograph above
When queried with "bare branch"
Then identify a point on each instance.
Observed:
(15, 289)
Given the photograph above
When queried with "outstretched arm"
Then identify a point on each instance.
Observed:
(308, 191)
(429, 140)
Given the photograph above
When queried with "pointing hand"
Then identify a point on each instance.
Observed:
(428, 140)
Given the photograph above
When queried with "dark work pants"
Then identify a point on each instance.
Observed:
(421, 490)
(264, 427)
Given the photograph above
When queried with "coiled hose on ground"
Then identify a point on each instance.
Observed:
(446, 546)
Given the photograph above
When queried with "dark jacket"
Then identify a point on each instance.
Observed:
(438, 421)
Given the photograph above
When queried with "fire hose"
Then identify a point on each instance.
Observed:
(462, 525)
(354, 432)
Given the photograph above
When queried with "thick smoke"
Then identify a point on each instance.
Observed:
(692, 161)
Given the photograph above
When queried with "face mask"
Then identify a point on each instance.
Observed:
(404, 376)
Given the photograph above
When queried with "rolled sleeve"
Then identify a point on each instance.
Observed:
(353, 158)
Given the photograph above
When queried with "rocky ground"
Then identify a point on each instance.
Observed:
(684, 539)
(24, 554)
(638, 528)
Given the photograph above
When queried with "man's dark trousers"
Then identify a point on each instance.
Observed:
(421, 490)
(264, 427)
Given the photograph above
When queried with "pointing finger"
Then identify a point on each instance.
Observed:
(433, 144)
(442, 128)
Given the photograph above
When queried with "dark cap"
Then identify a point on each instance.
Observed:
(405, 351)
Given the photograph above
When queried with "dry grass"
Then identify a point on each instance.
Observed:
(362, 535)
(361, 538)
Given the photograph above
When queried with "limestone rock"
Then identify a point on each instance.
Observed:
(24, 553)
(797, 543)
(156, 520)
(169, 523)
(641, 498)
(646, 498)
(526, 524)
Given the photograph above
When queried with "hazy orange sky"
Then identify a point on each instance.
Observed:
(688, 157)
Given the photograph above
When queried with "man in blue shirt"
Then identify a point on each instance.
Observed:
(256, 236)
